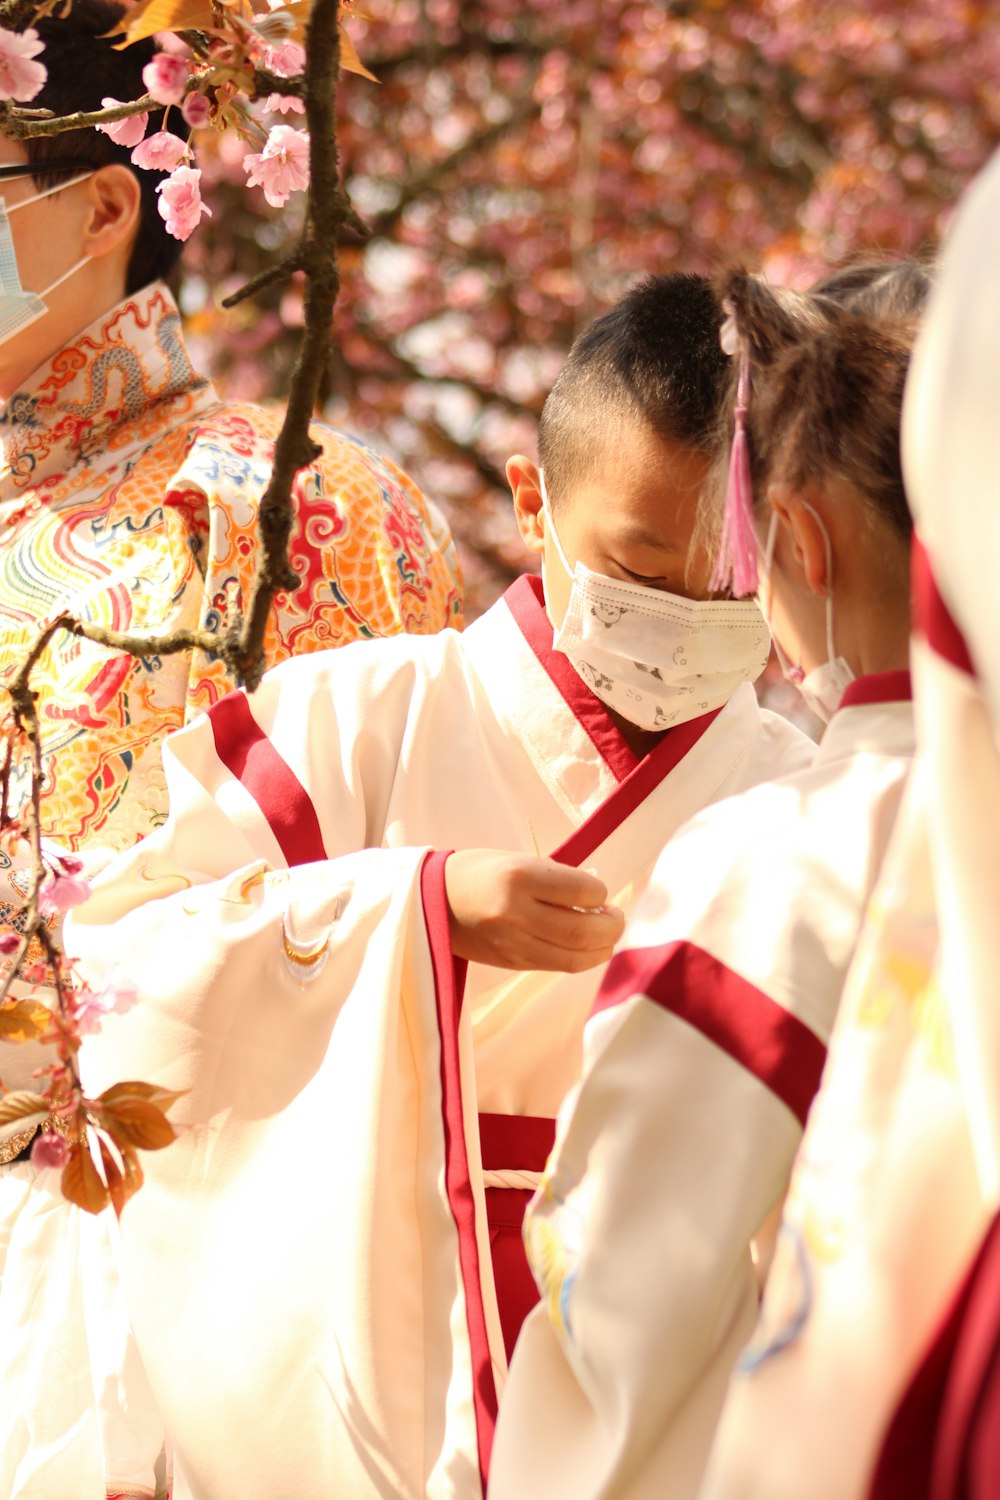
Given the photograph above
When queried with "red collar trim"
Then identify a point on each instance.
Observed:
(878, 687)
(931, 615)
(637, 779)
(634, 790)
(526, 602)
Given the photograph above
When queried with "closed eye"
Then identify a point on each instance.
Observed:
(643, 577)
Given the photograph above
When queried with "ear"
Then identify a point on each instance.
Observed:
(525, 486)
(801, 514)
(114, 200)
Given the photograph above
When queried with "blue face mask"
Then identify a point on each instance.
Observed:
(18, 308)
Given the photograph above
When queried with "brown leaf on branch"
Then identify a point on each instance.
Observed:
(122, 1181)
(151, 1092)
(23, 1021)
(131, 1121)
(20, 1109)
(81, 1181)
(151, 16)
(350, 62)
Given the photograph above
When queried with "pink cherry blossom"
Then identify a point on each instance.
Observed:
(90, 1006)
(127, 132)
(196, 110)
(287, 59)
(60, 892)
(161, 152)
(49, 1150)
(9, 943)
(284, 104)
(283, 165)
(20, 77)
(166, 78)
(180, 202)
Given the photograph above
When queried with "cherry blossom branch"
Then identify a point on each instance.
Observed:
(23, 124)
(326, 208)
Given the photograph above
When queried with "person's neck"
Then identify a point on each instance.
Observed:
(879, 636)
(639, 741)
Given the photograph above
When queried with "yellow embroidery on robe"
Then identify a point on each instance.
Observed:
(129, 497)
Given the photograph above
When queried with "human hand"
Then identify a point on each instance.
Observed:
(519, 911)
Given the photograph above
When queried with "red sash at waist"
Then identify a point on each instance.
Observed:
(512, 1143)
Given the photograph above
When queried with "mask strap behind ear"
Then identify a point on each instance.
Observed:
(547, 509)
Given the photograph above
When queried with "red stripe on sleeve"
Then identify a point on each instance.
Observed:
(246, 751)
(449, 984)
(759, 1034)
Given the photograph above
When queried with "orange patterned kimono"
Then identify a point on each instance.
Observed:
(128, 497)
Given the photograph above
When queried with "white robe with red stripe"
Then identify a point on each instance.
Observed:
(882, 1391)
(701, 1058)
(309, 1265)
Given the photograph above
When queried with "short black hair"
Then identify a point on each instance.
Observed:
(655, 358)
(83, 68)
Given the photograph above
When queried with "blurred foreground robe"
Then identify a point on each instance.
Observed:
(701, 1059)
(875, 1376)
(309, 1266)
(129, 498)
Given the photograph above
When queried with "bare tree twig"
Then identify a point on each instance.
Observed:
(295, 448)
(259, 283)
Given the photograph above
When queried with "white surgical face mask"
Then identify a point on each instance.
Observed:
(823, 687)
(18, 308)
(656, 658)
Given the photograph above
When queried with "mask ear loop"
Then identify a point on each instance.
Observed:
(547, 512)
(64, 277)
(830, 653)
(60, 187)
(791, 673)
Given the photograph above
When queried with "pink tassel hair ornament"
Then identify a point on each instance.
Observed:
(736, 563)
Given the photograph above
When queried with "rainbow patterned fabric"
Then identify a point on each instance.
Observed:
(128, 498)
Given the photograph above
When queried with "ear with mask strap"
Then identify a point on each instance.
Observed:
(823, 687)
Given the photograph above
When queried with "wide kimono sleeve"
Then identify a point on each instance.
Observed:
(307, 1007)
(701, 1059)
(374, 556)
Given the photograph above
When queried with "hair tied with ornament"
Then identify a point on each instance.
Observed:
(736, 561)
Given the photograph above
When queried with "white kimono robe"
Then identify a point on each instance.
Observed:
(701, 1058)
(309, 1265)
(880, 1389)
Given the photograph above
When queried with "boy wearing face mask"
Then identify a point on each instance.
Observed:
(707, 1038)
(360, 1007)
